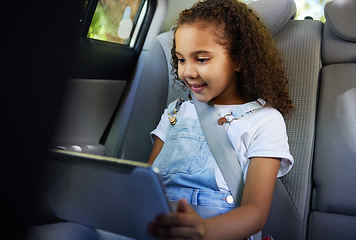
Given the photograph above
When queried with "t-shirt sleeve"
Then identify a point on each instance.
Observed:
(161, 129)
(271, 140)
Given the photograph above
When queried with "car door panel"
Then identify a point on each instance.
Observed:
(86, 112)
(100, 75)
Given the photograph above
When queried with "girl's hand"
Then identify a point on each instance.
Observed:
(184, 224)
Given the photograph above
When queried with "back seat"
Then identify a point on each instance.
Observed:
(299, 42)
(331, 176)
(333, 215)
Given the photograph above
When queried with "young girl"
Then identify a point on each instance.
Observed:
(224, 54)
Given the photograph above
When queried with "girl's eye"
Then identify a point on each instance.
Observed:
(181, 60)
(203, 60)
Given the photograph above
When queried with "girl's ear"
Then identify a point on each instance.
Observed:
(238, 68)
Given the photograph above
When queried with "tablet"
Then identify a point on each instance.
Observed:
(110, 194)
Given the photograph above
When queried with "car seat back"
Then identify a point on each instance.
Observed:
(299, 42)
(334, 195)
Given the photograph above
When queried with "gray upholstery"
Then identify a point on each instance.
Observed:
(335, 150)
(299, 43)
(334, 172)
(274, 13)
(339, 33)
(174, 90)
(336, 50)
(331, 226)
(142, 108)
(341, 19)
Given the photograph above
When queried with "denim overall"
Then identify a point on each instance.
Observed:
(187, 165)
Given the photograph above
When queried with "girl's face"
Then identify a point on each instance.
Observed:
(205, 66)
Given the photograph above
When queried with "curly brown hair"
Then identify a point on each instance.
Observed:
(247, 42)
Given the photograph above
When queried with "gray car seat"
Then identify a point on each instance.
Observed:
(334, 197)
(299, 42)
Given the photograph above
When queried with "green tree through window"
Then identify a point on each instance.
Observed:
(113, 20)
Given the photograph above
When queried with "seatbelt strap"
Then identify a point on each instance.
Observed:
(221, 146)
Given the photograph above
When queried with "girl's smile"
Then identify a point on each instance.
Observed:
(205, 66)
(197, 87)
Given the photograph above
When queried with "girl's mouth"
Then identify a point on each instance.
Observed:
(197, 87)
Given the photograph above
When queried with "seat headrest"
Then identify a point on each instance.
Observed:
(341, 17)
(274, 13)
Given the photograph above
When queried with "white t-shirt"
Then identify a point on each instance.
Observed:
(260, 134)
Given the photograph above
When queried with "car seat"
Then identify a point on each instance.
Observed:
(299, 42)
(333, 215)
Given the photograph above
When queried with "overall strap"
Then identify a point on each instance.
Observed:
(172, 109)
(249, 108)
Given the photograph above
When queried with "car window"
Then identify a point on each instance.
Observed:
(311, 8)
(117, 20)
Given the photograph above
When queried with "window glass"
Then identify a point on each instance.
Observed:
(115, 20)
(311, 8)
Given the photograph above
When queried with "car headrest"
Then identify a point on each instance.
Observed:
(341, 17)
(274, 13)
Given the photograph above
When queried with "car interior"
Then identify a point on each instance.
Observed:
(111, 106)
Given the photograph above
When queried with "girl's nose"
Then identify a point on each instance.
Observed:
(190, 71)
